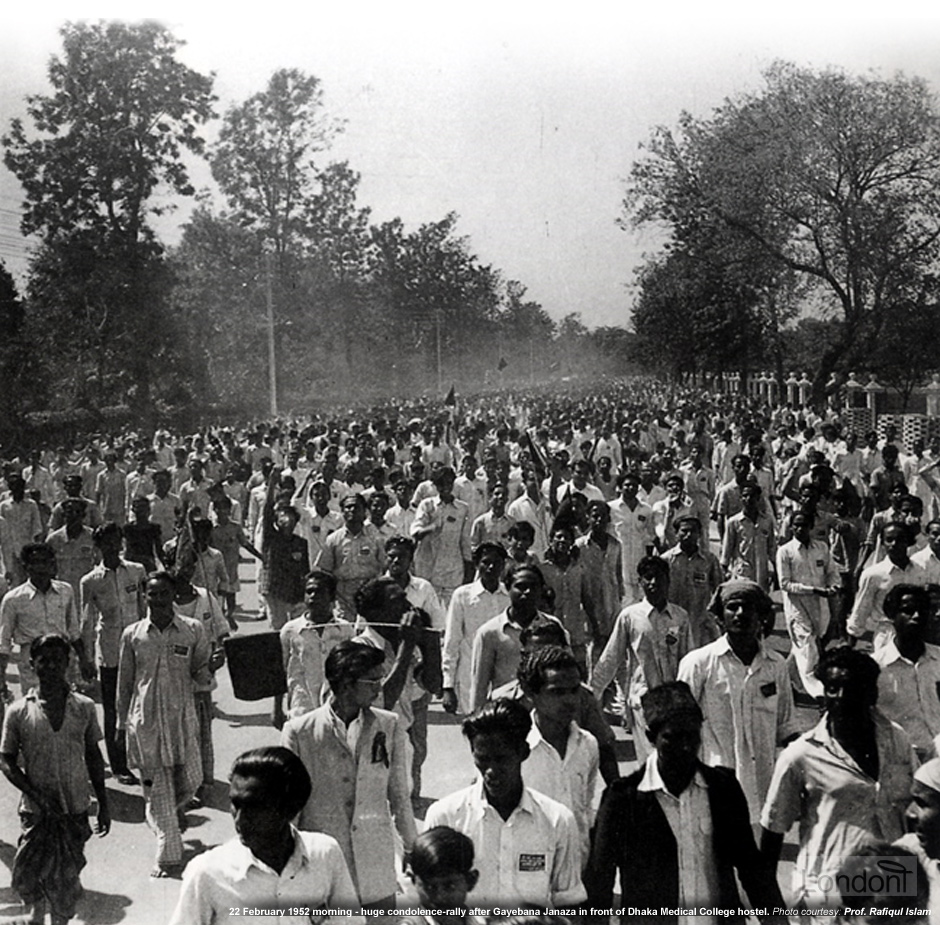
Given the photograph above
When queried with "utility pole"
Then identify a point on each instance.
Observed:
(272, 353)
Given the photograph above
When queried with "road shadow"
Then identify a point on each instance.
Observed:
(103, 908)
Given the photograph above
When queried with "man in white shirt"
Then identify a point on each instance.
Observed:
(896, 568)
(525, 844)
(563, 760)
(631, 522)
(808, 578)
(743, 688)
(909, 683)
(270, 865)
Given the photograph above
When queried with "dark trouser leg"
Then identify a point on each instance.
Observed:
(418, 733)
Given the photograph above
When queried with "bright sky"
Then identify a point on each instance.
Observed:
(522, 117)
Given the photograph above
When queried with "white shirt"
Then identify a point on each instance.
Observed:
(909, 692)
(748, 711)
(532, 858)
(690, 818)
(225, 883)
(876, 581)
(471, 605)
(571, 780)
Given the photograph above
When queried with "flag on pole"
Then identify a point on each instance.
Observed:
(539, 462)
(451, 399)
(502, 364)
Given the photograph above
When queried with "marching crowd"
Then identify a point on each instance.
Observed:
(541, 562)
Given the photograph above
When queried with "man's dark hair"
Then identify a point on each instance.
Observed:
(512, 572)
(486, 547)
(861, 666)
(349, 661)
(536, 662)
(370, 598)
(548, 632)
(498, 717)
(400, 542)
(440, 850)
(48, 641)
(666, 702)
(36, 551)
(650, 566)
(892, 601)
(103, 531)
(281, 772)
(328, 578)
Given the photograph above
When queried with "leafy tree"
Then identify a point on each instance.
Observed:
(836, 178)
(110, 137)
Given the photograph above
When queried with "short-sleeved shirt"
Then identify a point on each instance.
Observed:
(839, 807)
(531, 859)
(112, 599)
(27, 613)
(53, 760)
(220, 885)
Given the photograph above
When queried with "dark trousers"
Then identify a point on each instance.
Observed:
(114, 741)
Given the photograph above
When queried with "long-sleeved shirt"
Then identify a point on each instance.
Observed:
(471, 605)
(876, 581)
(748, 547)
(800, 569)
(157, 673)
(441, 554)
(651, 642)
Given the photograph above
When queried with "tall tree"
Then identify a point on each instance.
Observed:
(836, 178)
(264, 161)
(110, 137)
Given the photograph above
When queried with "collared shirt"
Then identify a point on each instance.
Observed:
(23, 523)
(602, 579)
(748, 547)
(441, 554)
(748, 712)
(692, 582)
(690, 819)
(110, 491)
(496, 654)
(225, 883)
(304, 647)
(157, 673)
(473, 493)
(909, 692)
(315, 529)
(634, 531)
(27, 613)
(651, 642)
(353, 558)
(163, 512)
(210, 572)
(471, 605)
(112, 599)
(530, 859)
(567, 585)
(535, 513)
(800, 569)
(403, 707)
(420, 593)
(53, 760)
(75, 556)
(928, 561)
(839, 807)
(488, 528)
(571, 780)
(876, 581)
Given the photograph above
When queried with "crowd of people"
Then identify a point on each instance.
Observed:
(547, 565)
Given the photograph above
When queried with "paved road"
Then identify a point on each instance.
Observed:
(118, 888)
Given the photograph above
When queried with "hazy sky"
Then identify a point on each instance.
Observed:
(523, 118)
